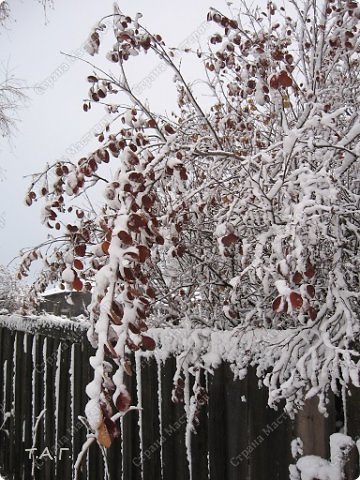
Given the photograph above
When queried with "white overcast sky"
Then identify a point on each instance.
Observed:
(53, 120)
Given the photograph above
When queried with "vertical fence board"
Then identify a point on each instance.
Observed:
(217, 430)
(267, 427)
(78, 385)
(50, 405)
(95, 460)
(114, 457)
(151, 431)
(131, 435)
(40, 359)
(63, 457)
(23, 404)
(237, 441)
(173, 428)
(11, 383)
(199, 443)
(6, 367)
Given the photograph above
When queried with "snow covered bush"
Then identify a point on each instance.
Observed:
(240, 216)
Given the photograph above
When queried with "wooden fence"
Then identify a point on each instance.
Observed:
(43, 372)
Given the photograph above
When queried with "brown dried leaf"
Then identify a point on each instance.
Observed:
(103, 436)
(105, 247)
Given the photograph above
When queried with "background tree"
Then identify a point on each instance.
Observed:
(11, 294)
(243, 216)
(12, 96)
(5, 10)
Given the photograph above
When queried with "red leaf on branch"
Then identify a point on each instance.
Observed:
(125, 237)
(147, 343)
(274, 83)
(136, 177)
(312, 312)
(123, 401)
(112, 428)
(297, 278)
(150, 292)
(284, 80)
(276, 304)
(296, 300)
(128, 274)
(169, 129)
(78, 264)
(310, 290)
(77, 284)
(183, 174)
(229, 239)
(310, 270)
(144, 253)
(80, 250)
(136, 221)
(147, 202)
(133, 328)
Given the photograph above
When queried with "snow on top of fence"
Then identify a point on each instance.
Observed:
(213, 346)
(210, 347)
(47, 324)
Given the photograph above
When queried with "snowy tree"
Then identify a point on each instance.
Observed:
(241, 216)
(10, 292)
(5, 10)
(12, 96)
